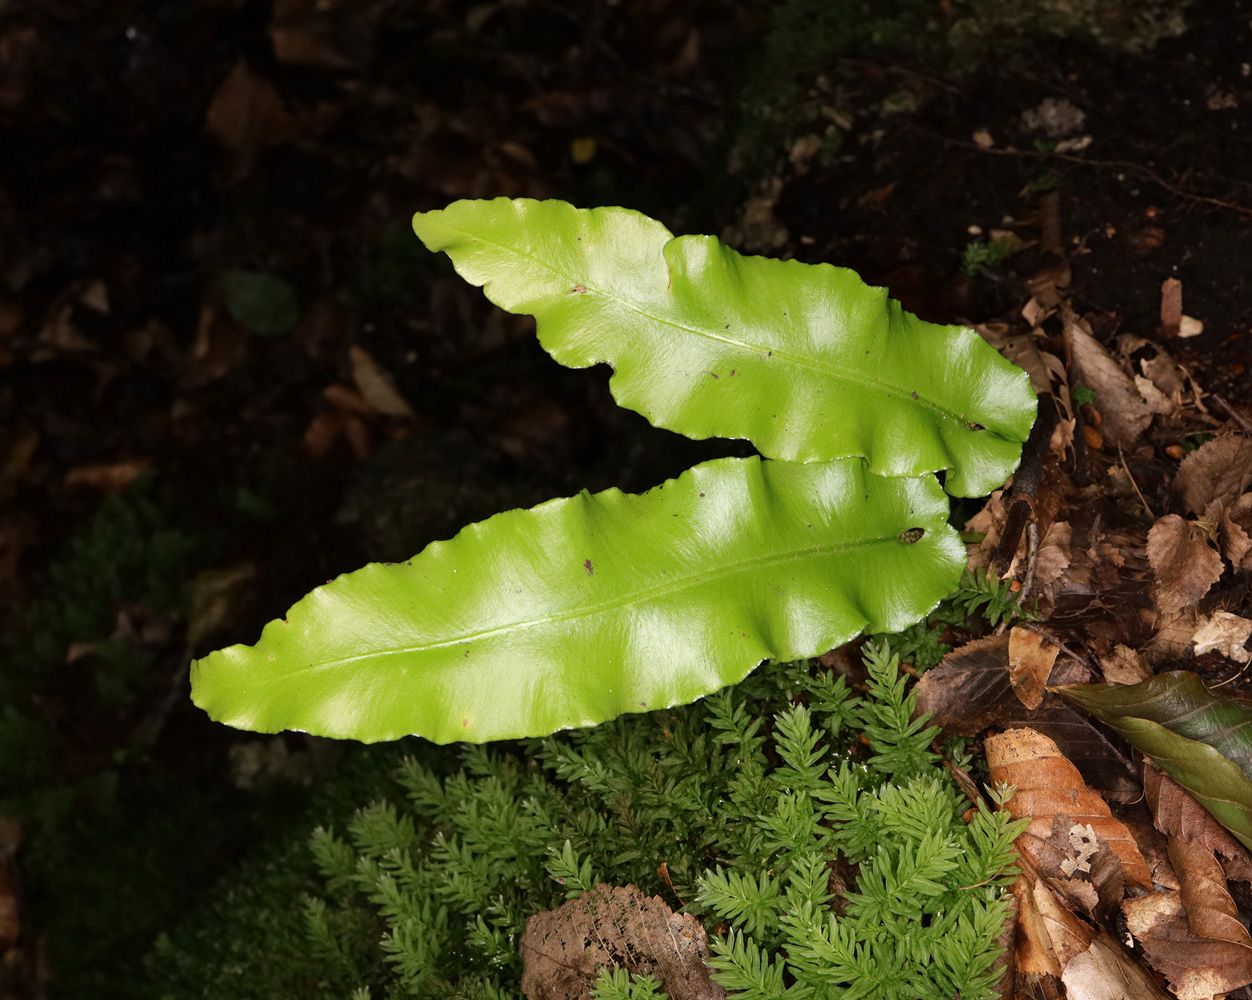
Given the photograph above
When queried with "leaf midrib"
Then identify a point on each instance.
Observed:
(821, 365)
(639, 597)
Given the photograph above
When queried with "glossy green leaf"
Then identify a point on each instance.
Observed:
(1202, 741)
(580, 609)
(804, 360)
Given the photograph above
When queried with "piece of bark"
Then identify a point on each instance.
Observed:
(614, 926)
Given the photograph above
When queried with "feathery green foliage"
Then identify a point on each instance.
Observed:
(750, 798)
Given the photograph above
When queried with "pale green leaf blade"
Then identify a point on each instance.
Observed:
(804, 360)
(1201, 740)
(580, 609)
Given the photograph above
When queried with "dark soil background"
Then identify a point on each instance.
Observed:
(180, 461)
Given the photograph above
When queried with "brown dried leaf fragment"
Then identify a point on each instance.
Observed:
(1093, 965)
(375, 385)
(1049, 786)
(1226, 633)
(1030, 663)
(1125, 666)
(563, 949)
(1125, 414)
(1194, 936)
(246, 113)
(1177, 814)
(1184, 562)
(1236, 533)
(1220, 469)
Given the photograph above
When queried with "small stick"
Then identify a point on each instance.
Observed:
(1134, 484)
(1235, 415)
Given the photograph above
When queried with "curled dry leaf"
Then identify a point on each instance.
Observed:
(1049, 786)
(1193, 936)
(214, 594)
(1030, 663)
(1220, 469)
(1043, 367)
(1093, 966)
(1226, 633)
(563, 949)
(1125, 414)
(1184, 562)
(1177, 814)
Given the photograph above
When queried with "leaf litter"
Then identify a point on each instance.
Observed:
(1116, 714)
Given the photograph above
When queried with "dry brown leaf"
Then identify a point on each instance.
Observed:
(1049, 786)
(1092, 965)
(108, 477)
(1125, 414)
(1157, 401)
(375, 385)
(1125, 666)
(1177, 814)
(1220, 469)
(1105, 972)
(348, 400)
(1023, 350)
(306, 33)
(357, 435)
(1164, 374)
(1054, 555)
(1033, 952)
(1172, 638)
(220, 345)
(1236, 533)
(1226, 633)
(989, 522)
(1184, 562)
(245, 114)
(970, 690)
(563, 949)
(1193, 936)
(1030, 663)
(758, 228)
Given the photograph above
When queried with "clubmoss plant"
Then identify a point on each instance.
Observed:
(752, 799)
